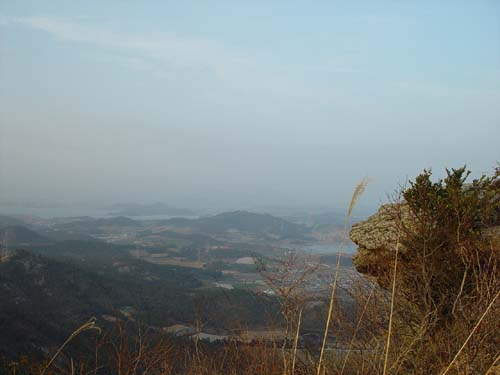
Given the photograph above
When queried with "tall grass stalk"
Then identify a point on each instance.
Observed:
(358, 191)
(393, 296)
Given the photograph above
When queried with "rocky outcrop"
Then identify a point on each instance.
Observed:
(376, 238)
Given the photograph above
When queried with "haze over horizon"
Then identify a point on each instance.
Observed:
(243, 104)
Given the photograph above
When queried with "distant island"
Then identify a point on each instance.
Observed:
(137, 209)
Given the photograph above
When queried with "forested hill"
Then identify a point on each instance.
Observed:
(17, 235)
(242, 221)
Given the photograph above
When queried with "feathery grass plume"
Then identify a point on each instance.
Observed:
(88, 326)
(358, 191)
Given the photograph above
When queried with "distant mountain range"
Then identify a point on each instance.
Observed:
(243, 222)
(136, 209)
(84, 228)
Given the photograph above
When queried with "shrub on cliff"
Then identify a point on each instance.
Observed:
(448, 253)
(448, 272)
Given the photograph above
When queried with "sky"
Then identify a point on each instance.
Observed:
(243, 104)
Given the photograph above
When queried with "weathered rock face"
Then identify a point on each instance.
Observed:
(376, 238)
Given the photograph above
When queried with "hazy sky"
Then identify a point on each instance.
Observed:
(246, 103)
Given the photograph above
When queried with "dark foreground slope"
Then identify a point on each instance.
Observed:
(43, 300)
